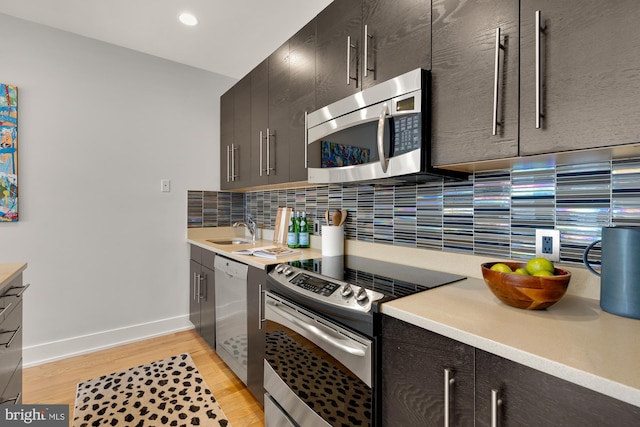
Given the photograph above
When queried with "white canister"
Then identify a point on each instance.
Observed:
(332, 240)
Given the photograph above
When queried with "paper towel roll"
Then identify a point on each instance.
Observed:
(332, 240)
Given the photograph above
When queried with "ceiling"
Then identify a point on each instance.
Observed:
(232, 36)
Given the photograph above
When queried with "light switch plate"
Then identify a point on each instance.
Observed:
(165, 185)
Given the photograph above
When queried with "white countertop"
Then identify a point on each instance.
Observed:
(573, 339)
(200, 237)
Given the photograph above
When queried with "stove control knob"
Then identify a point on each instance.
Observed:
(287, 271)
(279, 268)
(346, 291)
(361, 295)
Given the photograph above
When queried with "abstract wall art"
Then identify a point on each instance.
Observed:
(8, 153)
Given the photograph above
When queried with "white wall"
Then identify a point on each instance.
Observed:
(99, 127)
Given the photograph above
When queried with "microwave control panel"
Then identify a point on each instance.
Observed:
(407, 133)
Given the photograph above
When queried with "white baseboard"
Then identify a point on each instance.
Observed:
(56, 350)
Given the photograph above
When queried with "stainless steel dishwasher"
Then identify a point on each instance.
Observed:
(231, 314)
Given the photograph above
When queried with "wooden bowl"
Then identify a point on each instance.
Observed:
(527, 292)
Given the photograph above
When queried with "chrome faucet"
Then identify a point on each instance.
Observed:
(249, 225)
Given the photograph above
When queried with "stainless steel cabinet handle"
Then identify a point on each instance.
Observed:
(448, 382)
(204, 296)
(15, 334)
(261, 318)
(261, 136)
(5, 309)
(539, 31)
(367, 36)
(496, 80)
(306, 140)
(349, 47)
(381, 123)
(22, 289)
(199, 293)
(228, 166)
(269, 168)
(495, 403)
(15, 399)
(233, 162)
(195, 285)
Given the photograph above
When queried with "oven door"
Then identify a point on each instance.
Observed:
(317, 373)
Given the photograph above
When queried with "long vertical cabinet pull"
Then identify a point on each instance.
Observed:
(261, 136)
(367, 36)
(228, 166)
(539, 31)
(448, 382)
(195, 286)
(261, 294)
(269, 168)
(495, 404)
(349, 47)
(496, 81)
(233, 162)
(306, 140)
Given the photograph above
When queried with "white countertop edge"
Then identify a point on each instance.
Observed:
(585, 379)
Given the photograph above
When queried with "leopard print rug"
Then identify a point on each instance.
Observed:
(169, 392)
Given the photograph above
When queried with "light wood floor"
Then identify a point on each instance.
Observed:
(55, 382)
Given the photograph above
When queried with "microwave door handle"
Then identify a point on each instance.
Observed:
(381, 123)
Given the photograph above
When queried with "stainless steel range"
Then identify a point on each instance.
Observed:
(322, 333)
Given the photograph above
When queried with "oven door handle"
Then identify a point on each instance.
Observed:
(326, 336)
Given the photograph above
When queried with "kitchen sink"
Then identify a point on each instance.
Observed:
(228, 242)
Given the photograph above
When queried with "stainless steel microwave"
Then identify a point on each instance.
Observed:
(380, 133)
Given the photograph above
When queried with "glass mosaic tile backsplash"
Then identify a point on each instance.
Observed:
(493, 213)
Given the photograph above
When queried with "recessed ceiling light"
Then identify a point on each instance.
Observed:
(188, 19)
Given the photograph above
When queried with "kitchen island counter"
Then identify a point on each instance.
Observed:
(574, 339)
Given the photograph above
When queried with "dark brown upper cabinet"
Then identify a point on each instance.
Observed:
(474, 81)
(397, 40)
(302, 96)
(270, 119)
(588, 79)
(568, 81)
(235, 149)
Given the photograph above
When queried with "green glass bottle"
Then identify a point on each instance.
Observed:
(293, 231)
(303, 236)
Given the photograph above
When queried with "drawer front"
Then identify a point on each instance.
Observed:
(208, 258)
(196, 253)
(10, 345)
(12, 394)
(11, 297)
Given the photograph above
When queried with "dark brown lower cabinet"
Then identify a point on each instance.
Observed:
(414, 389)
(527, 397)
(414, 361)
(202, 305)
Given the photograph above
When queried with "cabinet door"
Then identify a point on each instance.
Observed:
(532, 398)
(589, 72)
(226, 138)
(339, 20)
(259, 122)
(464, 81)
(413, 377)
(302, 96)
(278, 141)
(208, 307)
(241, 156)
(398, 38)
(194, 302)
(255, 333)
